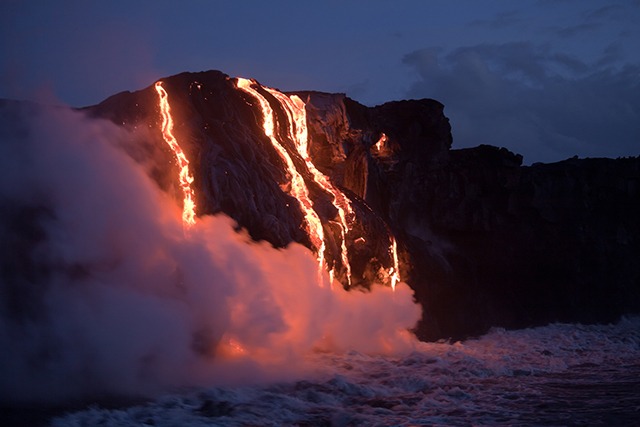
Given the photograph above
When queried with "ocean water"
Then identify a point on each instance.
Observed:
(557, 375)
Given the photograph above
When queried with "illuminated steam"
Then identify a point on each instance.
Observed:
(103, 293)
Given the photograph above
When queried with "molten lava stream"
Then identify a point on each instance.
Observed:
(297, 115)
(299, 189)
(189, 205)
(381, 142)
(394, 272)
(296, 112)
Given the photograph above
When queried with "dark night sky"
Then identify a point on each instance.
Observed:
(547, 79)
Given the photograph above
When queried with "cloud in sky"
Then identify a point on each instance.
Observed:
(535, 101)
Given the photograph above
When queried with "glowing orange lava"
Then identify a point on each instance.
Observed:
(295, 110)
(298, 188)
(297, 114)
(188, 210)
(380, 144)
(394, 272)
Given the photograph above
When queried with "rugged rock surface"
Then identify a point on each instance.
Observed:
(483, 240)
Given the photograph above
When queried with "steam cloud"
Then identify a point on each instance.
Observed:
(103, 293)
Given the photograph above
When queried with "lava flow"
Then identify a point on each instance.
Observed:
(394, 272)
(381, 142)
(298, 189)
(189, 205)
(295, 110)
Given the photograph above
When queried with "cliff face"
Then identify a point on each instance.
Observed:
(498, 244)
(482, 240)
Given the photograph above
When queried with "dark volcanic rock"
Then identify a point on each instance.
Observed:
(483, 240)
(235, 169)
(498, 244)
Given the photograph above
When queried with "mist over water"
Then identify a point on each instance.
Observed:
(103, 291)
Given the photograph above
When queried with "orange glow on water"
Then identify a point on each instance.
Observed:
(189, 205)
